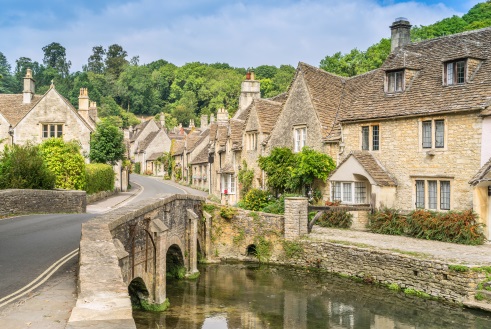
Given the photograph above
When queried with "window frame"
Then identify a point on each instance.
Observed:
(299, 138)
(352, 194)
(452, 73)
(52, 130)
(391, 81)
(251, 140)
(433, 134)
(433, 193)
(370, 137)
(227, 182)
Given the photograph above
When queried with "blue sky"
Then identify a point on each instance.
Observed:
(241, 33)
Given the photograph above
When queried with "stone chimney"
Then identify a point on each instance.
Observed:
(83, 104)
(93, 111)
(212, 118)
(400, 33)
(162, 120)
(29, 87)
(222, 115)
(204, 121)
(250, 90)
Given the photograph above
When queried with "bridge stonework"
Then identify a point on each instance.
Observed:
(132, 243)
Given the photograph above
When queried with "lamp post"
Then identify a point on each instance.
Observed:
(11, 133)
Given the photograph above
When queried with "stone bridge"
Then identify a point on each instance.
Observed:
(132, 247)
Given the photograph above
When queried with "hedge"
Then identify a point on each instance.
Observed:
(100, 177)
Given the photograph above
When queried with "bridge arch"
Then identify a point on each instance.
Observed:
(139, 294)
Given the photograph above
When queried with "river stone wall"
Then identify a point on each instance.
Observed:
(25, 201)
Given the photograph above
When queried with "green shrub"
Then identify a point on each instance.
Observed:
(65, 161)
(292, 248)
(339, 218)
(100, 177)
(457, 227)
(137, 168)
(227, 212)
(245, 177)
(23, 167)
(264, 248)
(256, 199)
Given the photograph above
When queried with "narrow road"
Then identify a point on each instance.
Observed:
(29, 245)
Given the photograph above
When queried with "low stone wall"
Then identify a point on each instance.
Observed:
(91, 198)
(21, 202)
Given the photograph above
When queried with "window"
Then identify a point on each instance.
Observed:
(395, 81)
(228, 184)
(455, 72)
(430, 139)
(251, 141)
(300, 135)
(52, 130)
(433, 194)
(372, 143)
(349, 192)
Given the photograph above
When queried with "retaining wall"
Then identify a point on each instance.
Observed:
(25, 201)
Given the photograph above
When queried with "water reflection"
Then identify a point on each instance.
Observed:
(233, 296)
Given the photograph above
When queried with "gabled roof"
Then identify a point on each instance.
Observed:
(192, 141)
(326, 92)
(13, 109)
(483, 175)
(267, 113)
(177, 147)
(138, 130)
(425, 92)
(236, 127)
(155, 156)
(144, 144)
(379, 175)
(222, 134)
(202, 157)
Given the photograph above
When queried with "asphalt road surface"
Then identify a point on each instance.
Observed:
(29, 245)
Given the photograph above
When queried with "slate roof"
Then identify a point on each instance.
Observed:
(372, 166)
(425, 92)
(138, 129)
(267, 113)
(222, 134)
(202, 157)
(197, 139)
(155, 156)
(144, 144)
(483, 175)
(226, 169)
(236, 127)
(177, 147)
(13, 109)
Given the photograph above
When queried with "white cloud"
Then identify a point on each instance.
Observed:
(239, 33)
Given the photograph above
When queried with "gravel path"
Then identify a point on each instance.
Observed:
(447, 252)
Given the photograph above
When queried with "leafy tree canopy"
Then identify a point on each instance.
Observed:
(106, 144)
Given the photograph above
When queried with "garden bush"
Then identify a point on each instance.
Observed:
(256, 199)
(100, 177)
(339, 218)
(457, 227)
(137, 168)
(23, 167)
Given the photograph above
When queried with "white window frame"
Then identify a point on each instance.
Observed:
(431, 136)
(299, 138)
(370, 137)
(433, 193)
(227, 182)
(349, 192)
(52, 129)
(451, 73)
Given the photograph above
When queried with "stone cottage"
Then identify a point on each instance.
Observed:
(28, 117)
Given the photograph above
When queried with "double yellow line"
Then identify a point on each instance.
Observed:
(39, 280)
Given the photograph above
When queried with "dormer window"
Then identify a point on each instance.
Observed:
(395, 81)
(455, 72)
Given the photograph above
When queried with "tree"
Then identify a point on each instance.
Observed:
(278, 167)
(7, 81)
(106, 144)
(23, 167)
(55, 57)
(115, 60)
(65, 161)
(95, 63)
(311, 165)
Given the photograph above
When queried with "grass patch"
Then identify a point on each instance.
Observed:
(412, 253)
(417, 293)
(349, 243)
(291, 248)
(479, 296)
(458, 268)
(394, 287)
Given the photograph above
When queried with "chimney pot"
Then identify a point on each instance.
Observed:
(400, 33)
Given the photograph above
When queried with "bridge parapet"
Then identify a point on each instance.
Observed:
(128, 243)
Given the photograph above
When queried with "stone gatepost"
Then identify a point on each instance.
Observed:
(208, 249)
(296, 217)
(193, 252)
(159, 232)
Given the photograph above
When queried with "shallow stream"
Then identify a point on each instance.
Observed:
(250, 296)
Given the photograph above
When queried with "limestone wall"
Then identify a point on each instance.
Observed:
(19, 202)
(403, 157)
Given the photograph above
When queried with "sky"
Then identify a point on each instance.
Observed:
(241, 33)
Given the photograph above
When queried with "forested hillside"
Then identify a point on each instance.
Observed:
(358, 62)
(125, 89)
